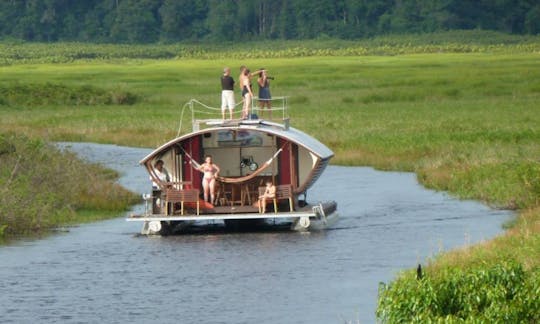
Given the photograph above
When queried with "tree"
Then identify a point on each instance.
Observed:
(314, 17)
(221, 20)
(286, 21)
(10, 15)
(146, 21)
(532, 21)
(181, 19)
(28, 26)
(137, 21)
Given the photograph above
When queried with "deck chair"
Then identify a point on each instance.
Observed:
(285, 192)
(183, 196)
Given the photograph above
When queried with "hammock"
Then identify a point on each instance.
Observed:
(240, 179)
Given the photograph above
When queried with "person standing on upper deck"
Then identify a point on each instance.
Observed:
(265, 98)
(246, 88)
(241, 81)
(247, 93)
(227, 93)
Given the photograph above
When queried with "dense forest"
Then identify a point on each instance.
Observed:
(150, 21)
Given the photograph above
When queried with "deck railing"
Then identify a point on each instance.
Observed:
(279, 106)
(204, 115)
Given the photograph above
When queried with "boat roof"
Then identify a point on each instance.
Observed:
(281, 130)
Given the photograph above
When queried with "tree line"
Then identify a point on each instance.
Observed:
(150, 21)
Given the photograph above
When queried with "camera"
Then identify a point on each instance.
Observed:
(270, 78)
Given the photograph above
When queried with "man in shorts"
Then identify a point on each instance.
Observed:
(227, 93)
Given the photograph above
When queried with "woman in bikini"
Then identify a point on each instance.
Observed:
(245, 86)
(210, 171)
(247, 93)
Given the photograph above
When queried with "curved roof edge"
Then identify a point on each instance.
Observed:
(292, 134)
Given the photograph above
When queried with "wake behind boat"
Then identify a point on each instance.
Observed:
(250, 153)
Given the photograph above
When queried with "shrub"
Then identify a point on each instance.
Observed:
(59, 94)
(502, 293)
(43, 187)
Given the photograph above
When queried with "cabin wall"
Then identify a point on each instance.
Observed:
(189, 174)
(229, 148)
(284, 162)
(306, 163)
(228, 160)
(237, 138)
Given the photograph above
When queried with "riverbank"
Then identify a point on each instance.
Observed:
(43, 188)
(466, 123)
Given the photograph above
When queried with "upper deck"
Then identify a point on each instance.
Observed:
(204, 116)
(204, 119)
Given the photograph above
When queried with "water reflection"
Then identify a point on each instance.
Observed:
(105, 272)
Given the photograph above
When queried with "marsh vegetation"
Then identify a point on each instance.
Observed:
(466, 121)
(43, 188)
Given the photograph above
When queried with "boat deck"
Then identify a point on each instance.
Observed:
(226, 212)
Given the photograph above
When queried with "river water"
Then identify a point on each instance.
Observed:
(105, 272)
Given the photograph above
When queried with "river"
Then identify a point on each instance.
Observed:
(104, 272)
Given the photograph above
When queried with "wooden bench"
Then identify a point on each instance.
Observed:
(181, 196)
(282, 192)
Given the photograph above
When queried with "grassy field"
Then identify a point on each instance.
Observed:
(443, 116)
(468, 123)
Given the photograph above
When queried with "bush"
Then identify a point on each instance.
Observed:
(503, 293)
(43, 187)
(59, 94)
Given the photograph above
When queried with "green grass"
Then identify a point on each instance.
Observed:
(467, 122)
(43, 188)
(455, 119)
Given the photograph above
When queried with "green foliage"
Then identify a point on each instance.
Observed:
(500, 293)
(147, 21)
(441, 42)
(524, 175)
(43, 187)
(60, 94)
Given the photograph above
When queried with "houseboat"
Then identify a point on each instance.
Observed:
(250, 154)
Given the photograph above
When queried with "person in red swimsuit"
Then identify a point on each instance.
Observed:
(210, 171)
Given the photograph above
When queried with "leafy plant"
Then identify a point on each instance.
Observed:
(500, 293)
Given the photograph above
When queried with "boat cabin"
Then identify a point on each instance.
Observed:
(249, 153)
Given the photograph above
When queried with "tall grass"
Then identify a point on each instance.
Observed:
(43, 187)
(61, 94)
